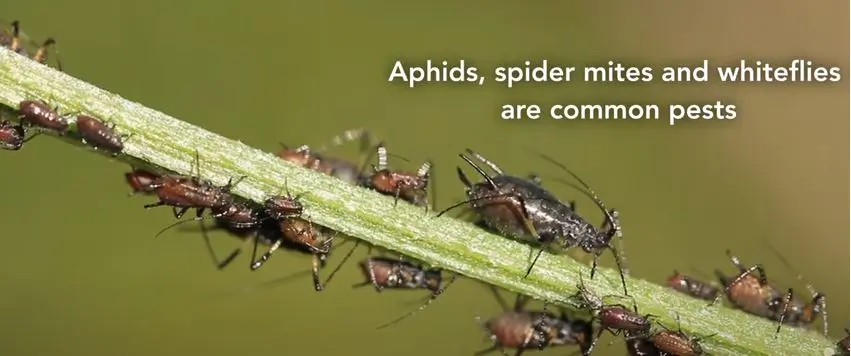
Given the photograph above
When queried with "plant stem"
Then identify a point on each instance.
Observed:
(166, 142)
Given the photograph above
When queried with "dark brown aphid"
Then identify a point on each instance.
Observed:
(523, 330)
(670, 342)
(302, 233)
(614, 318)
(523, 209)
(141, 181)
(184, 193)
(99, 135)
(244, 217)
(640, 346)
(244, 220)
(409, 186)
(38, 113)
(842, 345)
(314, 159)
(693, 287)
(14, 39)
(12, 137)
(283, 206)
(382, 272)
(756, 296)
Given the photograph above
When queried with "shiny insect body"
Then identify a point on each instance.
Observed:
(141, 181)
(184, 193)
(640, 346)
(14, 39)
(12, 136)
(411, 187)
(523, 330)
(388, 273)
(303, 234)
(40, 114)
(692, 287)
(614, 318)
(100, 135)
(522, 209)
(336, 167)
(243, 216)
(283, 206)
(677, 342)
(754, 295)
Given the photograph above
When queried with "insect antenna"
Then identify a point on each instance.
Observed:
(431, 299)
(611, 217)
(817, 297)
(473, 200)
(181, 222)
(467, 182)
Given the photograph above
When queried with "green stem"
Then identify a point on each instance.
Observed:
(166, 142)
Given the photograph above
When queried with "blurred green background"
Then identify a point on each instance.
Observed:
(83, 275)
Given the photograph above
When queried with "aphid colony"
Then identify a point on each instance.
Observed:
(512, 206)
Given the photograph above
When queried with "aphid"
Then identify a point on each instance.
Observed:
(245, 222)
(12, 137)
(314, 159)
(283, 206)
(265, 224)
(10, 38)
(241, 216)
(183, 193)
(14, 41)
(303, 234)
(693, 287)
(670, 342)
(756, 296)
(38, 113)
(410, 187)
(842, 345)
(141, 181)
(99, 135)
(523, 209)
(388, 273)
(614, 318)
(523, 330)
(640, 346)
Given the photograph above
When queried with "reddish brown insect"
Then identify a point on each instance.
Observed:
(302, 234)
(410, 187)
(640, 346)
(693, 287)
(141, 181)
(184, 193)
(99, 135)
(245, 222)
(670, 342)
(283, 206)
(314, 159)
(756, 296)
(387, 273)
(12, 137)
(38, 113)
(14, 41)
(523, 330)
(614, 318)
